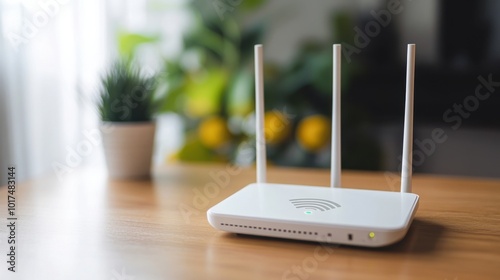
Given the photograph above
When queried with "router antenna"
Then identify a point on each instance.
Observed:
(336, 156)
(260, 141)
(406, 168)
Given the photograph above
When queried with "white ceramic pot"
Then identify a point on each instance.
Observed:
(128, 148)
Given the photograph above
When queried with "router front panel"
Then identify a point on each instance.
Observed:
(308, 213)
(315, 233)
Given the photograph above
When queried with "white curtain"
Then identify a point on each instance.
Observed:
(51, 52)
(51, 55)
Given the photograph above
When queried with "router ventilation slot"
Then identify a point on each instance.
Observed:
(301, 232)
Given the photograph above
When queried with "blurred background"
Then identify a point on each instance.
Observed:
(53, 52)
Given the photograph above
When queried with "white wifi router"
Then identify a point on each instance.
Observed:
(332, 215)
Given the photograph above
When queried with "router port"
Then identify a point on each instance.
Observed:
(349, 236)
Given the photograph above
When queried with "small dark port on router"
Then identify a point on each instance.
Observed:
(349, 236)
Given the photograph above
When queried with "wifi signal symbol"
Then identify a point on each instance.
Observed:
(314, 204)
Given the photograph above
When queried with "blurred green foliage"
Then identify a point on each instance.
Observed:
(210, 85)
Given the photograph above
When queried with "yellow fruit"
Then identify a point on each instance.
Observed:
(276, 127)
(313, 132)
(213, 132)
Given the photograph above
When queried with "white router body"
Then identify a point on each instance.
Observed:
(345, 216)
(332, 215)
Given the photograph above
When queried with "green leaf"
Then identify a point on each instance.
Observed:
(173, 101)
(194, 151)
(240, 94)
(204, 92)
(251, 4)
(128, 42)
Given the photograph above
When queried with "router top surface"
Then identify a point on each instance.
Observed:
(319, 206)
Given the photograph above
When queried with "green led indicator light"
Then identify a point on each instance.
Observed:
(308, 212)
(371, 235)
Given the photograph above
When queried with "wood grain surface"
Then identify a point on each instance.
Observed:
(85, 226)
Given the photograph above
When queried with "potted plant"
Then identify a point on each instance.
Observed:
(126, 103)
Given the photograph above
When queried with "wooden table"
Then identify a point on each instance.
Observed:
(88, 227)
